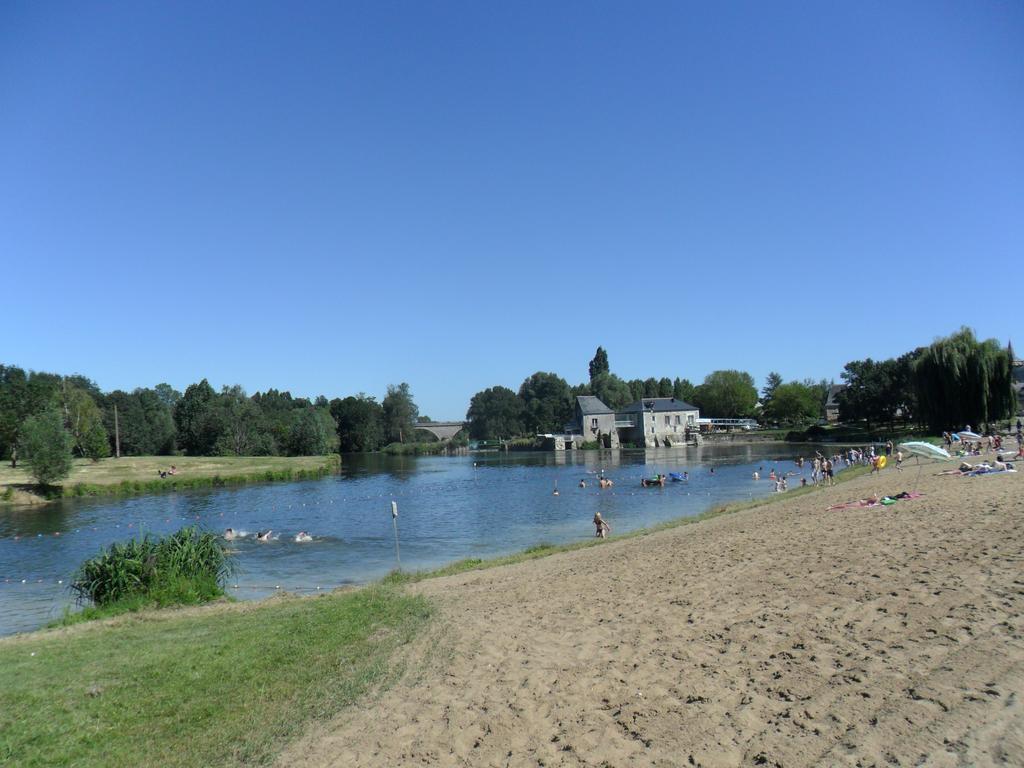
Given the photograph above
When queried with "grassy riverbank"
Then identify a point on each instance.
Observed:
(222, 685)
(141, 474)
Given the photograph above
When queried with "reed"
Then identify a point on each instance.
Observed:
(188, 566)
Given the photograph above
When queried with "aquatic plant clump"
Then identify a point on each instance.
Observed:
(189, 565)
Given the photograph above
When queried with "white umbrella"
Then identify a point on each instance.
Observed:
(969, 435)
(920, 448)
(929, 451)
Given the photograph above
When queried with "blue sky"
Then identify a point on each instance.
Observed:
(328, 198)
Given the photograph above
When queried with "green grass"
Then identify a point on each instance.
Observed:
(220, 686)
(141, 474)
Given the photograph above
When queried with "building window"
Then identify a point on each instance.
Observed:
(593, 423)
(668, 420)
(679, 419)
(689, 420)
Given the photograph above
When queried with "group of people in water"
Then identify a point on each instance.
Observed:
(230, 534)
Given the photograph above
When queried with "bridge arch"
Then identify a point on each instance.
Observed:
(442, 430)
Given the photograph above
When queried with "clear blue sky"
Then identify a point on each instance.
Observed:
(328, 198)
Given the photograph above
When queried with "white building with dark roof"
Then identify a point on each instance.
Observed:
(647, 423)
(655, 421)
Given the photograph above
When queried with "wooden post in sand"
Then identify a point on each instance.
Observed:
(394, 522)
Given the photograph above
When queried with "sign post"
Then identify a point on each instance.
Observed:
(394, 522)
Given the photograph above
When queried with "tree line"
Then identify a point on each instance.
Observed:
(70, 414)
(545, 401)
(955, 381)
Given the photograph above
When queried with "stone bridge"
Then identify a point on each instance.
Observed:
(442, 430)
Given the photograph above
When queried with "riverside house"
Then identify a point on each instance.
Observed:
(647, 423)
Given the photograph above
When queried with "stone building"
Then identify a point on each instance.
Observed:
(647, 423)
(657, 421)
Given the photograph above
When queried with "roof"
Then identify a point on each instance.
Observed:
(590, 405)
(657, 405)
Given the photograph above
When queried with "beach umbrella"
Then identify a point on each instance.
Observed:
(920, 448)
(929, 451)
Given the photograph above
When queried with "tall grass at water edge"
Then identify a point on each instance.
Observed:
(188, 566)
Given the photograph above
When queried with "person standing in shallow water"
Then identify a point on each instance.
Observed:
(603, 529)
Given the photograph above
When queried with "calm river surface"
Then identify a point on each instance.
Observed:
(480, 505)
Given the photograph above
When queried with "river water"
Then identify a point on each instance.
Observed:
(481, 505)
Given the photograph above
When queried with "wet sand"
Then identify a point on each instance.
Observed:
(782, 636)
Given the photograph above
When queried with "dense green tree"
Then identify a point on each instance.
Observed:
(144, 421)
(47, 446)
(651, 387)
(636, 389)
(13, 409)
(496, 413)
(613, 391)
(310, 435)
(727, 395)
(961, 380)
(22, 395)
(867, 393)
(682, 389)
(878, 391)
(772, 383)
(197, 419)
(84, 422)
(277, 411)
(665, 388)
(794, 402)
(599, 365)
(400, 413)
(360, 422)
(239, 425)
(168, 395)
(548, 403)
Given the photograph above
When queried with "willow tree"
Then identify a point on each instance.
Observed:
(961, 380)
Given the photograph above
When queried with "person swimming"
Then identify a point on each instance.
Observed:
(229, 534)
(302, 536)
(263, 535)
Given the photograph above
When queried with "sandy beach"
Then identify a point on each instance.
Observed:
(783, 635)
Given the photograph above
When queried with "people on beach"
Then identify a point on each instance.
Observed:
(899, 460)
(603, 529)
